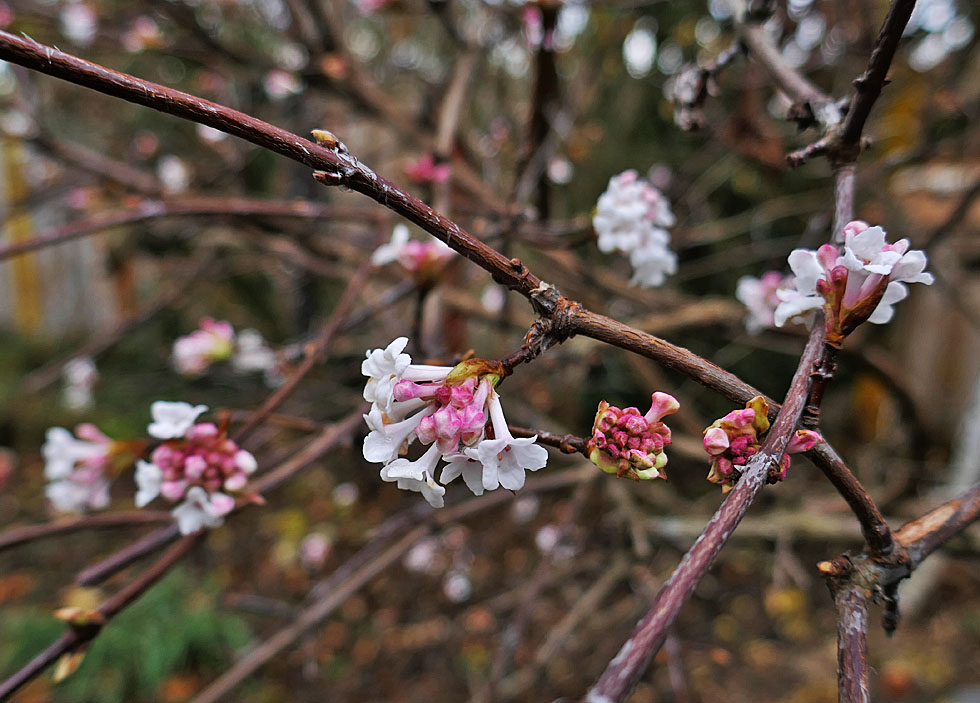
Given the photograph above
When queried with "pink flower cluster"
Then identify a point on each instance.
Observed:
(214, 340)
(196, 462)
(459, 417)
(735, 438)
(206, 458)
(626, 443)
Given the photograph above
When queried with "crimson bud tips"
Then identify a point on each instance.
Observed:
(626, 443)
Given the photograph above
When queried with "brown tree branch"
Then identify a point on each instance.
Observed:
(870, 83)
(852, 645)
(22, 535)
(187, 207)
(622, 673)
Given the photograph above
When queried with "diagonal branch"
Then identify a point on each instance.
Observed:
(623, 672)
(870, 83)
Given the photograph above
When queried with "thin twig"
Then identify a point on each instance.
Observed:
(186, 207)
(129, 518)
(77, 636)
(315, 350)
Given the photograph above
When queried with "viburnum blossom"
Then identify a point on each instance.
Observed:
(213, 341)
(626, 443)
(196, 462)
(761, 297)
(216, 340)
(424, 260)
(452, 409)
(735, 438)
(426, 170)
(630, 217)
(862, 284)
(75, 466)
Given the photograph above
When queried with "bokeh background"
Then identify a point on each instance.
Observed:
(526, 601)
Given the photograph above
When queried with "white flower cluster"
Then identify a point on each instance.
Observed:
(630, 217)
(868, 264)
(455, 410)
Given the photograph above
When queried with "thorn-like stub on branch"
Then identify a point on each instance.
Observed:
(328, 178)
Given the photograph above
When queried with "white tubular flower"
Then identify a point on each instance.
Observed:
(172, 420)
(629, 217)
(384, 441)
(652, 264)
(80, 376)
(149, 477)
(505, 458)
(386, 367)
(885, 310)
(803, 297)
(418, 476)
(467, 466)
(860, 285)
(201, 509)
(62, 451)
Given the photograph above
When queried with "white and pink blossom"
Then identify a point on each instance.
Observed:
(761, 297)
(201, 509)
(196, 458)
(75, 466)
(861, 284)
(455, 412)
(424, 260)
(214, 340)
(630, 217)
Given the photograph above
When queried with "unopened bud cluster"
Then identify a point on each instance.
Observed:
(734, 439)
(626, 443)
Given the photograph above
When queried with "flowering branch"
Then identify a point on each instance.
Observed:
(628, 666)
(325, 442)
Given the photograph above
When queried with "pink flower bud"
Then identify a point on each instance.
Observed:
(715, 441)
